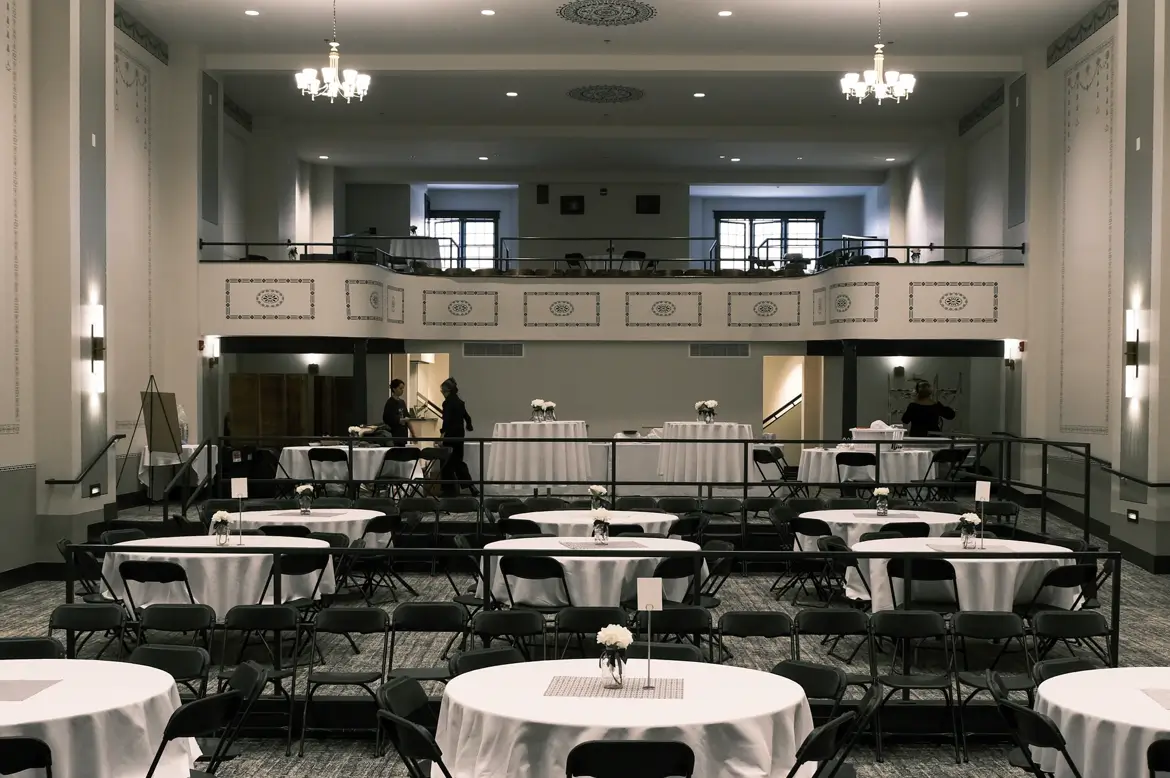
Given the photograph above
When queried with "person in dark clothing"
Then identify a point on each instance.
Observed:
(394, 413)
(925, 414)
(456, 423)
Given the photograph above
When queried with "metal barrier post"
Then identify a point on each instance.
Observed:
(1115, 622)
(482, 497)
(612, 470)
(1044, 487)
(748, 447)
(1088, 486)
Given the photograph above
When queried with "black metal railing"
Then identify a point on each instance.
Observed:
(610, 251)
(775, 415)
(182, 477)
(90, 465)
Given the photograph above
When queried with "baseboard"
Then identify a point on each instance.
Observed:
(37, 571)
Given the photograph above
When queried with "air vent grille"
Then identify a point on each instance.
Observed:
(488, 349)
(720, 350)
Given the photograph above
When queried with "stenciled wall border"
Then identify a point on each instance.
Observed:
(1083, 30)
(955, 319)
(380, 303)
(140, 34)
(444, 293)
(394, 301)
(855, 319)
(227, 298)
(699, 309)
(779, 323)
(596, 309)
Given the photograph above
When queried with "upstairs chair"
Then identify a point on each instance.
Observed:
(780, 516)
(319, 456)
(509, 508)
(413, 511)
(510, 528)
(376, 570)
(836, 569)
(824, 744)
(540, 504)
(673, 569)
(200, 718)
(18, 754)
(211, 507)
(575, 260)
(992, 629)
(802, 505)
(941, 476)
(718, 571)
(775, 472)
(635, 256)
(627, 758)
(87, 570)
(513, 626)
(820, 682)
(833, 625)
(921, 571)
(1081, 579)
(690, 527)
(626, 529)
(878, 536)
(942, 506)
(1002, 512)
(31, 648)
(296, 565)
(534, 569)
(636, 503)
(481, 658)
(679, 506)
(87, 620)
(846, 460)
(1029, 730)
(152, 571)
(805, 571)
(676, 652)
(683, 623)
(1071, 627)
(580, 622)
(722, 510)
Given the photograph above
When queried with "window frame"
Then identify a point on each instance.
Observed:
(464, 216)
(785, 217)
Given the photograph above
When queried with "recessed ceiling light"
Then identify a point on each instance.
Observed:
(483, 159)
(488, 12)
(961, 14)
(799, 158)
(512, 94)
(700, 94)
(323, 157)
(251, 13)
(725, 13)
(890, 159)
(735, 159)
(722, 156)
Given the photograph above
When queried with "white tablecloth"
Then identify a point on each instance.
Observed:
(101, 719)
(497, 723)
(416, 248)
(705, 462)
(346, 521)
(819, 465)
(219, 580)
(592, 580)
(550, 462)
(367, 461)
(1107, 719)
(850, 525)
(167, 458)
(579, 524)
(983, 584)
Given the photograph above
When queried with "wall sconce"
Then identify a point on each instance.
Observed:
(1132, 339)
(900, 371)
(95, 321)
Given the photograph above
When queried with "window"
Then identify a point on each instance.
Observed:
(766, 235)
(467, 234)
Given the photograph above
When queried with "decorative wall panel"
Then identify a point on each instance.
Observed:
(664, 309)
(364, 300)
(954, 302)
(763, 309)
(11, 279)
(1086, 244)
(270, 298)
(853, 302)
(395, 304)
(470, 308)
(562, 309)
(820, 306)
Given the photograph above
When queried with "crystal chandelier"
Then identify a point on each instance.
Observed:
(880, 83)
(334, 82)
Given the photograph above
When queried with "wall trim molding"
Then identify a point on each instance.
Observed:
(236, 113)
(1080, 32)
(987, 107)
(142, 35)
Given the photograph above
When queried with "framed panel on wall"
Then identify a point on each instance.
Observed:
(572, 205)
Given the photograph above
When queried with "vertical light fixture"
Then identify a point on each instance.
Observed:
(1132, 341)
(95, 325)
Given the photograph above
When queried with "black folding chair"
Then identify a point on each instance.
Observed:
(112, 537)
(200, 718)
(913, 571)
(825, 743)
(991, 628)
(188, 665)
(419, 617)
(541, 504)
(534, 569)
(676, 652)
(404, 697)
(752, 624)
(626, 758)
(1158, 757)
(151, 571)
(582, 621)
(18, 754)
(390, 479)
(820, 682)
(1071, 628)
(511, 528)
(855, 459)
(1051, 668)
(293, 566)
(286, 530)
(1080, 578)
(481, 658)
(323, 455)
(416, 745)
(87, 620)
(636, 503)
(1029, 729)
(31, 648)
(778, 483)
(512, 626)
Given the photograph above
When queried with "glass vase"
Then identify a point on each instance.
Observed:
(612, 666)
(537, 415)
(707, 417)
(601, 532)
(883, 506)
(222, 537)
(968, 538)
(305, 503)
(550, 414)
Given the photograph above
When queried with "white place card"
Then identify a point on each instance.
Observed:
(649, 594)
(983, 491)
(19, 691)
(1160, 696)
(239, 488)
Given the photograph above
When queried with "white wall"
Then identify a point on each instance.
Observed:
(233, 188)
(876, 212)
(418, 207)
(506, 201)
(321, 191)
(304, 199)
(606, 216)
(925, 201)
(783, 380)
(386, 207)
(613, 386)
(986, 190)
(843, 215)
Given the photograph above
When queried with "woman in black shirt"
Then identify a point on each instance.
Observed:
(925, 414)
(456, 421)
(394, 413)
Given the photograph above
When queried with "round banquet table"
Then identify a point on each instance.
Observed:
(367, 464)
(350, 522)
(703, 462)
(549, 461)
(1107, 718)
(579, 524)
(850, 525)
(819, 465)
(592, 580)
(217, 579)
(101, 719)
(983, 584)
(740, 723)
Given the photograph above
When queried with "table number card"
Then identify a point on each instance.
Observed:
(650, 594)
(983, 491)
(239, 488)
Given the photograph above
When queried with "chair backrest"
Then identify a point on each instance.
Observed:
(678, 652)
(428, 617)
(1158, 757)
(262, 618)
(95, 617)
(334, 539)
(177, 617)
(831, 621)
(824, 742)
(535, 504)
(675, 568)
(987, 625)
(534, 568)
(1070, 625)
(722, 506)
(414, 743)
(510, 508)
(18, 754)
(114, 536)
(762, 624)
(480, 658)
(512, 527)
(821, 682)
(205, 716)
(809, 527)
(908, 529)
(623, 758)
(944, 506)
(678, 505)
(286, 530)
(589, 619)
(855, 459)
(401, 454)
(948, 460)
(303, 564)
(182, 662)
(921, 569)
(344, 621)
(31, 648)
(317, 454)
(1070, 576)
(1030, 727)
(878, 536)
(909, 625)
(498, 623)
(799, 505)
(635, 502)
(626, 529)
(152, 571)
(1051, 668)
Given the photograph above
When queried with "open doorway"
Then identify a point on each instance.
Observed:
(784, 401)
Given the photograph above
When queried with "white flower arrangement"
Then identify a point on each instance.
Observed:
(615, 637)
(304, 489)
(881, 491)
(969, 521)
(538, 404)
(599, 514)
(597, 490)
(220, 520)
(707, 405)
(549, 405)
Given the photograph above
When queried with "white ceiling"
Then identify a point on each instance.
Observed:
(781, 190)
(915, 27)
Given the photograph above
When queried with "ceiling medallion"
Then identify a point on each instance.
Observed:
(606, 93)
(606, 13)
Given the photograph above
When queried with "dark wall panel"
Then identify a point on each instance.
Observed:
(1018, 152)
(209, 164)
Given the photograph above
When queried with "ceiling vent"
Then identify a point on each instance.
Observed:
(487, 349)
(720, 350)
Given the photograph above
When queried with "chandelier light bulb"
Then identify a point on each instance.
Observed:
(334, 81)
(878, 82)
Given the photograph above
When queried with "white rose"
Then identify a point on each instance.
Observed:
(221, 516)
(971, 518)
(615, 636)
(538, 403)
(600, 514)
(304, 489)
(699, 406)
(712, 404)
(597, 490)
(881, 491)
(548, 406)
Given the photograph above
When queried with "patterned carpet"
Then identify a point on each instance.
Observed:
(1145, 614)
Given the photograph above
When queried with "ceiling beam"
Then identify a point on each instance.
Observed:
(693, 175)
(609, 63)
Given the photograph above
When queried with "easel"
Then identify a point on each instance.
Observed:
(157, 439)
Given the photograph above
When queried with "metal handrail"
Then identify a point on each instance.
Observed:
(90, 466)
(504, 253)
(179, 477)
(783, 409)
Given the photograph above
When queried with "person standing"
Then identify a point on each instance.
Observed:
(924, 415)
(394, 413)
(456, 423)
